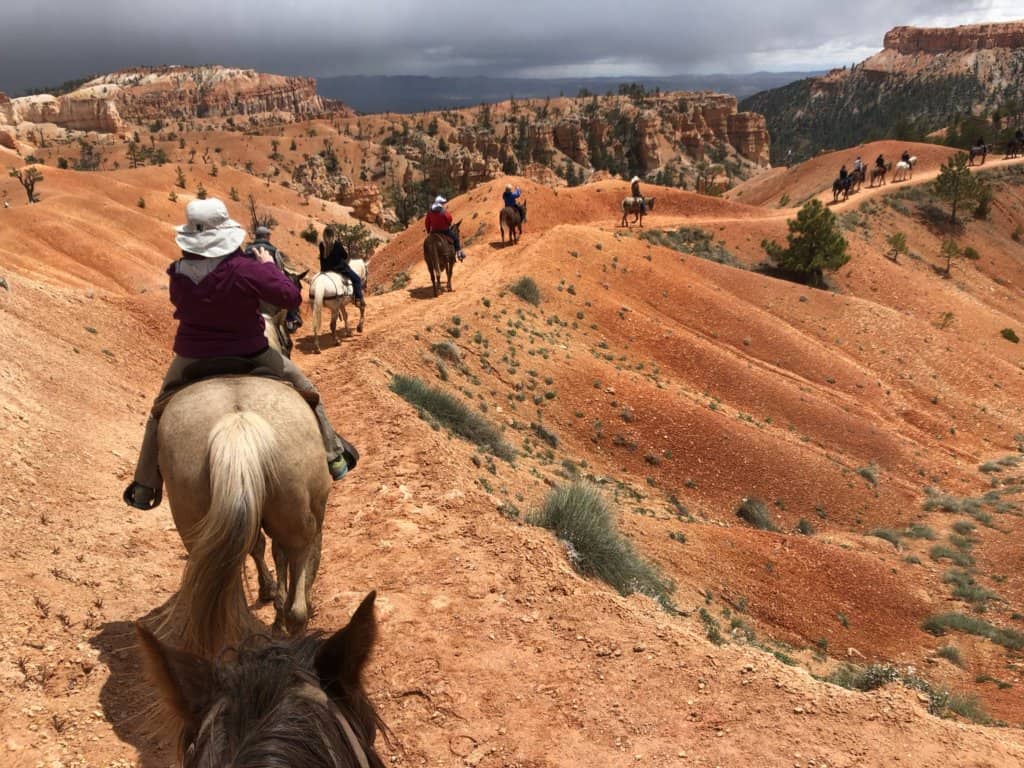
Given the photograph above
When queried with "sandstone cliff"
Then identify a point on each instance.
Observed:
(915, 85)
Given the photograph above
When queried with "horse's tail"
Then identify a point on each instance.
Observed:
(242, 455)
(317, 288)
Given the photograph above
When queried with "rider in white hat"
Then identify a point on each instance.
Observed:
(440, 221)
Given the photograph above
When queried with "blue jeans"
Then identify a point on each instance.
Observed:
(357, 284)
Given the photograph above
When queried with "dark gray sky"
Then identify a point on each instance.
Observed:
(44, 42)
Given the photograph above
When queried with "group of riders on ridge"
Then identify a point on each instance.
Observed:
(217, 288)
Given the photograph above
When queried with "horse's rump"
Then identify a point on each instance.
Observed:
(334, 285)
(237, 453)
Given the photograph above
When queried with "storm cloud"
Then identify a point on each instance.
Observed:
(49, 41)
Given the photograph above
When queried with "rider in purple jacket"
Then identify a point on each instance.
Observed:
(216, 292)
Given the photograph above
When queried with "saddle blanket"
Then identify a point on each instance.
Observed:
(335, 285)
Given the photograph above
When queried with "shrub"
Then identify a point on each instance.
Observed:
(447, 350)
(815, 244)
(869, 473)
(310, 234)
(453, 414)
(1010, 335)
(526, 289)
(755, 512)
(545, 434)
(581, 517)
(141, 202)
(941, 623)
(920, 532)
(884, 533)
(951, 653)
(805, 528)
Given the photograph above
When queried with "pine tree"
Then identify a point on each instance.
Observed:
(956, 184)
(815, 244)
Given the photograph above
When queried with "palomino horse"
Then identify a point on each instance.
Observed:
(978, 150)
(510, 218)
(298, 702)
(335, 291)
(905, 169)
(239, 454)
(878, 174)
(439, 253)
(638, 206)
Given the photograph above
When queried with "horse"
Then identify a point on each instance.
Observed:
(510, 218)
(637, 207)
(335, 291)
(298, 702)
(878, 172)
(978, 150)
(275, 328)
(240, 454)
(841, 186)
(1013, 148)
(905, 169)
(856, 179)
(439, 253)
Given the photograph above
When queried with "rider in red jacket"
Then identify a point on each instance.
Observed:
(440, 221)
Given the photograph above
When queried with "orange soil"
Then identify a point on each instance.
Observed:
(670, 376)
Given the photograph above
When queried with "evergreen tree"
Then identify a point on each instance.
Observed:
(956, 184)
(815, 244)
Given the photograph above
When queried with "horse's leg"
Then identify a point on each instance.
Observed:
(281, 566)
(334, 324)
(448, 268)
(316, 327)
(267, 588)
(297, 606)
(362, 312)
(344, 316)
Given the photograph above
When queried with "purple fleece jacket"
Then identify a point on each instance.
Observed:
(220, 316)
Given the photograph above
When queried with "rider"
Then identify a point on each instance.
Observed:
(216, 293)
(880, 162)
(843, 173)
(334, 258)
(858, 165)
(440, 221)
(905, 157)
(1019, 136)
(634, 190)
(293, 320)
(509, 197)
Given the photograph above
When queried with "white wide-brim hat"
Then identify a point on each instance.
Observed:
(634, 180)
(209, 231)
(439, 200)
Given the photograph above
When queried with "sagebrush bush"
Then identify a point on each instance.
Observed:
(526, 289)
(755, 512)
(941, 623)
(580, 516)
(452, 413)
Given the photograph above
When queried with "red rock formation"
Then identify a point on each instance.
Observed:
(971, 37)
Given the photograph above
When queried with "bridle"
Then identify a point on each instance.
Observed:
(306, 691)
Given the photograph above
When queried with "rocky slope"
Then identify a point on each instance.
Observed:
(678, 384)
(916, 84)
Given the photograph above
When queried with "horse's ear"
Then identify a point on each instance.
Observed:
(341, 658)
(184, 680)
(302, 274)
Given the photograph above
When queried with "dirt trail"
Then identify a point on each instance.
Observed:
(493, 651)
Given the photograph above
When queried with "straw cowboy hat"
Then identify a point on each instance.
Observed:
(209, 231)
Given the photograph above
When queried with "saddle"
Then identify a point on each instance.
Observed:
(271, 366)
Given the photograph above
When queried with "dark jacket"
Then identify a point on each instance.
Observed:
(635, 189)
(220, 315)
(334, 260)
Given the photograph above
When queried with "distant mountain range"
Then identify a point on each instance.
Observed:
(409, 93)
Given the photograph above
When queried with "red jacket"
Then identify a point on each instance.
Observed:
(438, 221)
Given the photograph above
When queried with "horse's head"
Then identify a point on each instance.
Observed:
(650, 203)
(296, 277)
(297, 702)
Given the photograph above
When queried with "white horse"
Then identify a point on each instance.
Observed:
(905, 169)
(335, 291)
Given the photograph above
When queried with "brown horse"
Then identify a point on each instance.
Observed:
(977, 151)
(878, 173)
(439, 253)
(239, 454)
(638, 206)
(297, 703)
(511, 219)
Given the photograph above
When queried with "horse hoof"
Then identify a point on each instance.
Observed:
(316, 350)
(359, 328)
